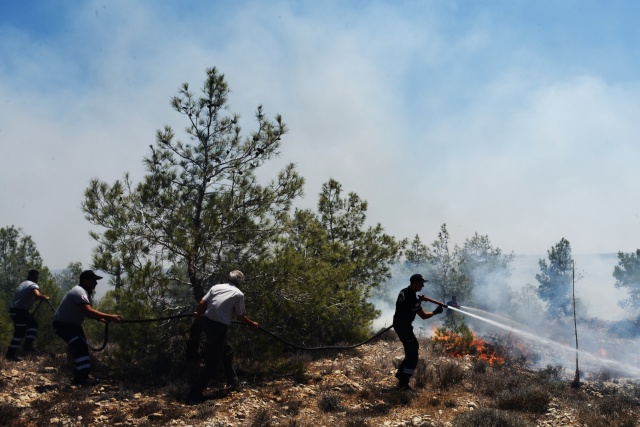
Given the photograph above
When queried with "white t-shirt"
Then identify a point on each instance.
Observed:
(25, 297)
(70, 310)
(224, 302)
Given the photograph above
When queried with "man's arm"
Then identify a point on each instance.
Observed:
(92, 313)
(244, 319)
(39, 294)
(425, 315)
(200, 309)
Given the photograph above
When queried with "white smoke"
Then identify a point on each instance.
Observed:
(608, 339)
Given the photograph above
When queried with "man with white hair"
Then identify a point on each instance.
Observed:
(220, 306)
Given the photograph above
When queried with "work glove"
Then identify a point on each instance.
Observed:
(438, 310)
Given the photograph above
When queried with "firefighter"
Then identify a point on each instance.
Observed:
(68, 319)
(25, 326)
(218, 308)
(407, 306)
(452, 303)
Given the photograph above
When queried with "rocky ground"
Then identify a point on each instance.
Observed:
(351, 388)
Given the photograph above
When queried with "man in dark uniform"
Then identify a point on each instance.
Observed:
(68, 319)
(407, 306)
(25, 326)
(452, 303)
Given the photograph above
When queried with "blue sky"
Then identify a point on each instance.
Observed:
(514, 119)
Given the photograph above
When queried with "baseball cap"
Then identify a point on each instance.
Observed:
(417, 278)
(89, 274)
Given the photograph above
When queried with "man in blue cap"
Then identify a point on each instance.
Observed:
(67, 323)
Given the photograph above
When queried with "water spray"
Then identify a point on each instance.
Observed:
(633, 370)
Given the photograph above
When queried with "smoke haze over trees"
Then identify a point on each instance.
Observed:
(200, 212)
(627, 275)
(555, 279)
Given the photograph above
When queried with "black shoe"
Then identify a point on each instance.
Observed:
(404, 387)
(234, 384)
(85, 382)
(194, 398)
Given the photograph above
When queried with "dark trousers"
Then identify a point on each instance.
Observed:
(217, 351)
(25, 328)
(411, 348)
(76, 341)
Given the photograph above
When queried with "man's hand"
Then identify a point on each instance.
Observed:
(438, 310)
(113, 318)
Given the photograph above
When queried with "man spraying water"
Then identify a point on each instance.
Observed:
(407, 306)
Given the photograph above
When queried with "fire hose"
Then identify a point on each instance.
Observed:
(266, 331)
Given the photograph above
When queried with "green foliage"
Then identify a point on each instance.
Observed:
(627, 275)
(416, 254)
(556, 278)
(18, 254)
(442, 265)
(69, 277)
(200, 212)
(199, 206)
(476, 272)
(313, 290)
(144, 350)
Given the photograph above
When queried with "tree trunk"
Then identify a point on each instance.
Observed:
(192, 351)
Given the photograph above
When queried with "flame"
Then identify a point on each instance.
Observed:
(458, 346)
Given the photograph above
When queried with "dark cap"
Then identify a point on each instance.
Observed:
(417, 278)
(89, 274)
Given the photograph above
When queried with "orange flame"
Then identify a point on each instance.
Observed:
(457, 346)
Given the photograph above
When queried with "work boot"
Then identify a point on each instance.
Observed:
(194, 397)
(403, 386)
(233, 384)
(82, 378)
(11, 355)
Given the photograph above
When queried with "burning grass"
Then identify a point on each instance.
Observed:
(457, 340)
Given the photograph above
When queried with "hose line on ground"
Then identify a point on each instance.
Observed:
(266, 331)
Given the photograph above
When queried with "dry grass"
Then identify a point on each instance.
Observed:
(490, 418)
(353, 388)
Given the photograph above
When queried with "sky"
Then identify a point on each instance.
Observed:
(514, 119)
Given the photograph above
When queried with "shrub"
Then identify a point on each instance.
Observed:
(490, 418)
(446, 373)
(262, 418)
(616, 410)
(421, 375)
(356, 422)
(479, 366)
(527, 397)
(9, 415)
(329, 402)
(552, 373)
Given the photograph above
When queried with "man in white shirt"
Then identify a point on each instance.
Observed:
(218, 308)
(25, 326)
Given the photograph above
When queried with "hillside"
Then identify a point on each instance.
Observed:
(350, 388)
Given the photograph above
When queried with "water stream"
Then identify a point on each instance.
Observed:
(626, 368)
